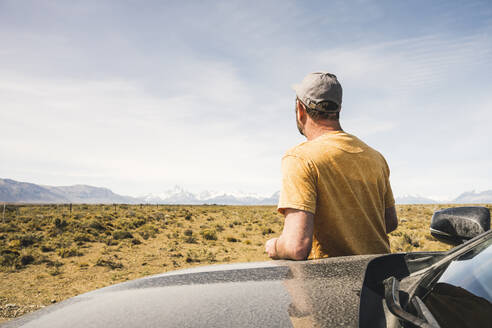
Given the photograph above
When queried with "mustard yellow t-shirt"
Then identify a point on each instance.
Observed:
(345, 184)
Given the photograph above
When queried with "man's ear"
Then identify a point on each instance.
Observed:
(301, 112)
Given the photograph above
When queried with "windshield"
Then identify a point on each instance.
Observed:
(462, 294)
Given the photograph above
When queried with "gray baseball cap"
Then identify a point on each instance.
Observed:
(318, 89)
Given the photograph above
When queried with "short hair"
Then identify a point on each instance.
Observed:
(332, 113)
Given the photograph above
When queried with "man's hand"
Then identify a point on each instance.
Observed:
(271, 248)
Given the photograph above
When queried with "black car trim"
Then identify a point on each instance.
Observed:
(438, 232)
(423, 311)
(391, 295)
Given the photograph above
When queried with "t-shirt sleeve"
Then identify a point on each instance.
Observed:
(298, 185)
(389, 200)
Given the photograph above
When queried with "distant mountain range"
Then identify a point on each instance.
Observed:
(23, 192)
(414, 199)
(178, 195)
(475, 197)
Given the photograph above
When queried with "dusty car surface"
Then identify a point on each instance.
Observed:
(426, 289)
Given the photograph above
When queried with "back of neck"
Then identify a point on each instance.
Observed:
(320, 129)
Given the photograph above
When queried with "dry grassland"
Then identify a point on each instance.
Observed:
(48, 254)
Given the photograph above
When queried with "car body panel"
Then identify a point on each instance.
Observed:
(322, 293)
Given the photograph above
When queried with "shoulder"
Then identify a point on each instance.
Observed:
(367, 148)
(299, 159)
(377, 157)
(298, 150)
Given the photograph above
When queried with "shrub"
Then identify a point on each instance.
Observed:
(191, 240)
(209, 234)
(16, 243)
(109, 262)
(28, 239)
(45, 249)
(112, 242)
(8, 227)
(55, 264)
(211, 257)
(411, 239)
(121, 234)
(94, 224)
(26, 259)
(232, 240)
(267, 231)
(60, 224)
(147, 231)
(56, 271)
(188, 232)
(82, 237)
(135, 223)
(192, 256)
(9, 258)
(68, 252)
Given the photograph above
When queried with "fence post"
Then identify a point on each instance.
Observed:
(3, 216)
(70, 209)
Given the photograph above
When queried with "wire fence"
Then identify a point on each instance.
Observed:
(8, 208)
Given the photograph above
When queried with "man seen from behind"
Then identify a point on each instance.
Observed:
(336, 195)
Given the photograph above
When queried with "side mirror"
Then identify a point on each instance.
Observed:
(456, 225)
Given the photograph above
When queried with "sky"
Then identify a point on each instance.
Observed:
(139, 96)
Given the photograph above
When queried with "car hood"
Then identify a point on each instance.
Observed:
(322, 293)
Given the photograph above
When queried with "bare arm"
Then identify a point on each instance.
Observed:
(390, 219)
(296, 239)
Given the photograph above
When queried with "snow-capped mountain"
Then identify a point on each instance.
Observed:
(179, 195)
(475, 197)
(414, 199)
